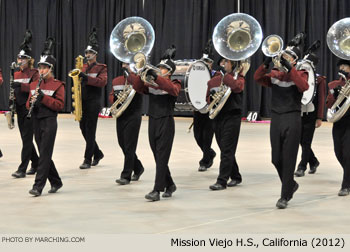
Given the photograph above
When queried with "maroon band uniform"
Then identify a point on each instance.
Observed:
(128, 128)
(285, 129)
(310, 113)
(25, 77)
(45, 129)
(91, 104)
(227, 126)
(161, 127)
(341, 135)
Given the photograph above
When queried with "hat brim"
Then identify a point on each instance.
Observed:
(91, 50)
(165, 65)
(45, 63)
(23, 56)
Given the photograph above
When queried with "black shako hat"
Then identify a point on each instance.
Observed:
(24, 49)
(46, 57)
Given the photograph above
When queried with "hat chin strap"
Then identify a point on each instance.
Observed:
(90, 58)
(50, 70)
(165, 74)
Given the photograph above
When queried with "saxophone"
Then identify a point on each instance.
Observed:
(34, 97)
(342, 104)
(76, 89)
(10, 115)
(124, 98)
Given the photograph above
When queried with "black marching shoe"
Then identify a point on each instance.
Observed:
(313, 168)
(85, 165)
(202, 168)
(233, 182)
(153, 196)
(54, 189)
(97, 160)
(344, 192)
(18, 174)
(295, 188)
(35, 192)
(282, 203)
(299, 173)
(122, 181)
(136, 177)
(169, 191)
(217, 187)
(31, 171)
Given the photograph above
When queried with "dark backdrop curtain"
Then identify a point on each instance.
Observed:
(188, 24)
(69, 22)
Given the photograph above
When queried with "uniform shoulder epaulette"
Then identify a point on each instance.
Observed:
(101, 64)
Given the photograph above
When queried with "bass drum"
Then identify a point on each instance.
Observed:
(194, 76)
(309, 94)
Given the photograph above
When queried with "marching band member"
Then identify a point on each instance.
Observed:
(128, 128)
(285, 130)
(22, 79)
(227, 124)
(312, 115)
(94, 78)
(202, 124)
(341, 128)
(45, 99)
(161, 129)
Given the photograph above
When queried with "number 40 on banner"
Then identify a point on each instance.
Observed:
(252, 116)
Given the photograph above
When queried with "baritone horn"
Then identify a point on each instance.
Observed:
(338, 41)
(76, 89)
(236, 37)
(272, 46)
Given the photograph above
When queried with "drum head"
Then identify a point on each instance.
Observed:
(196, 80)
(309, 94)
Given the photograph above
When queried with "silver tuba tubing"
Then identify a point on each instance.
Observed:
(338, 41)
(236, 37)
(131, 40)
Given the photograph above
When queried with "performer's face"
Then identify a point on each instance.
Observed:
(209, 64)
(345, 68)
(44, 70)
(290, 58)
(90, 56)
(165, 72)
(228, 66)
(126, 66)
(23, 62)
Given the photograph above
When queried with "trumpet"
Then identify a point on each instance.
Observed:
(34, 97)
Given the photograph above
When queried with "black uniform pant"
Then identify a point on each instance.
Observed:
(45, 130)
(203, 133)
(161, 136)
(227, 127)
(307, 133)
(341, 139)
(285, 132)
(128, 129)
(28, 152)
(88, 125)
